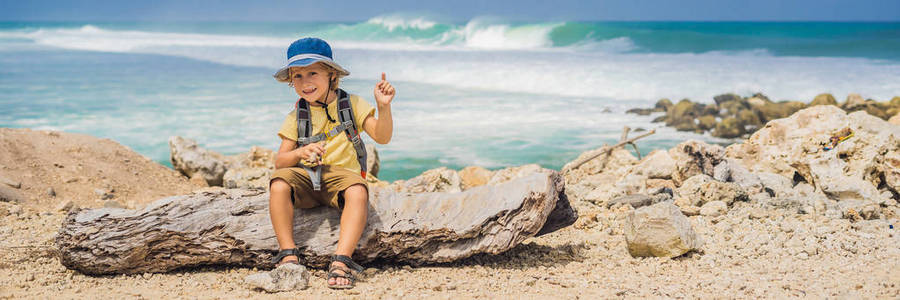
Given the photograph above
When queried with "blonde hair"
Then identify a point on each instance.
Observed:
(335, 83)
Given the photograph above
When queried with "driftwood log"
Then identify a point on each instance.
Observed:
(232, 227)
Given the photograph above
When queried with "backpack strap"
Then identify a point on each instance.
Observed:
(304, 126)
(348, 121)
(347, 125)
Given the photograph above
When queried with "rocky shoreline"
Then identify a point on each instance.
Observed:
(733, 116)
(791, 211)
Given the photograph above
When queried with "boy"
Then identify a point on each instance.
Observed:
(330, 173)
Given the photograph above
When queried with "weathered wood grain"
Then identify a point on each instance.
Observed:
(232, 227)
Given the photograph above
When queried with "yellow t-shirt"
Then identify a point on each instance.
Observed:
(338, 149)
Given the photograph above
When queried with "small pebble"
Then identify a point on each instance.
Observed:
(51, 192)
(113, 204)
(10, 182)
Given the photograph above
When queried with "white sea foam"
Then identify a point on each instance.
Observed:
(394, 22)
(482, 64)
(480, 34)
(92, 38)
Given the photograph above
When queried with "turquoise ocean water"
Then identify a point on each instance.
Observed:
(482, 92)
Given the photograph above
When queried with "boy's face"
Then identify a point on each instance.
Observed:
(311, 82)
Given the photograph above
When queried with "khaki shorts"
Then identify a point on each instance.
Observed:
(334, 181)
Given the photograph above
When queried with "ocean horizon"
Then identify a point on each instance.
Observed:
(484, 92)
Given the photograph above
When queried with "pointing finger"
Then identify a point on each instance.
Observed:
(382, 76)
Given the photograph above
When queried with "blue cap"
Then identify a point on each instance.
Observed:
(307, 51)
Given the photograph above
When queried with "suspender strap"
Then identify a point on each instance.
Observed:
(347, 125)
(304, 126)
(324, 136)
(345, 113)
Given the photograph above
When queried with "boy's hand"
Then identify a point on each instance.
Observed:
(384, 92)
(312, 153)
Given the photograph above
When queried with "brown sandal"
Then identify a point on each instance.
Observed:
(347, 272)
(285, 253)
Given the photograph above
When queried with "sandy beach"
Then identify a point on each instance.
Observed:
(749, 252)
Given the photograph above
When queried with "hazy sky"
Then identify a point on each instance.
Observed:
(458, 10)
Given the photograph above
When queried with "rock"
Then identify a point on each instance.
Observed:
(732, 108)
(689, 210)
(435, 180)
(627, 185)
(373, 162)
(687, 125)
(760, 96)
(725, 98)
(729, 128)
(189, 158)
(895, 102)
(51, 192)
(757, 213)
(749, 119)
(656, 165)
(701, 189)
(774, 184)
(65, 206)
(639, 200)
(682, 115)
(659, 230)
(250, 170)
(731, 170)
(858, 209)
(823, 99)
(757, 102)
(104, 194)
(655, 184)
(663, 105)
(247, 178)
(9, 182)
(198, 181)
(854, 101)
(694, 157)
(232, 227)
(871, 107)
(285, 278)
(714, 209)
(793, 148)
(113, 204)
(706, 122)
(895, 119)
(707, 110)
(10, 194)
(635, 200)
(771, 111)
(891, 169)
(640, 111)
(614, 164)
(473, 176)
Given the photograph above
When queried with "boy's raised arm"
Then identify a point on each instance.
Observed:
(381, 129)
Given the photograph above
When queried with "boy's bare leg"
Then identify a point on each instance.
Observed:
(353, 221)
(281, 211)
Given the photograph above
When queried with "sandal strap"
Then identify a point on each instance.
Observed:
(347, 274)
(347, 261)
(284, 253)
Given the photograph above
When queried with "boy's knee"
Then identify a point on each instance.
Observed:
(279, 186)
(357, 192)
